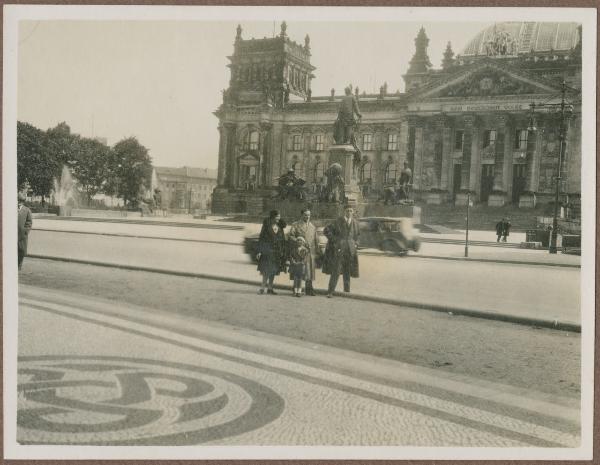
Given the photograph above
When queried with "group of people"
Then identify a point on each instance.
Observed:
(298, 252)
(503, 229)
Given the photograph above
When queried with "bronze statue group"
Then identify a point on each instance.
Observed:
(298, 252)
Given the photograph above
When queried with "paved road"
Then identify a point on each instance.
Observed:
(127, 375)
(536, 292)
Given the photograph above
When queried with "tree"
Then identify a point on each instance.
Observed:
(90, 165)
(35, 164)
(130, 170)
(61, 146)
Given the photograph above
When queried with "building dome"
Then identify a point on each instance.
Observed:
(514, 38)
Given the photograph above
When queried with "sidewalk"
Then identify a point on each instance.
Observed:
(221, 232)
(258, 389)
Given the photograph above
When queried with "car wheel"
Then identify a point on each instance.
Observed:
(416, 245)
(393, 247)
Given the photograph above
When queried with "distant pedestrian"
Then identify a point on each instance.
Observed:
(499, 229)
(271, 250)
(342, 255)
(505, 229)
(24, 223)
(307, 231)
(297, 256)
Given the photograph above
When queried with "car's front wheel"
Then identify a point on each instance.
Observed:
(393, 247)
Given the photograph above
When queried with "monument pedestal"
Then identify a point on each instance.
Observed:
(344, 156)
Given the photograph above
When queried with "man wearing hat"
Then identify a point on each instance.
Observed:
(24, 223)
(342, 258)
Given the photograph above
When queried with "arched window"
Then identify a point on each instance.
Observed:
(250, 141)
(390, 173)
(254, 140)
(319, 171)
(365, 172)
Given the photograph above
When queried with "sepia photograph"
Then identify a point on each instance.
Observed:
(298, 232)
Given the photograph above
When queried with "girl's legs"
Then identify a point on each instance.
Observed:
(297, 285)
(263, 284)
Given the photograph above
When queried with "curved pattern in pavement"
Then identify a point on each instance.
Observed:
(136, 402)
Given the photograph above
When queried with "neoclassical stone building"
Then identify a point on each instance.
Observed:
(465, 127)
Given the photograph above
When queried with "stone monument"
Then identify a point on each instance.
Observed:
(345, 151)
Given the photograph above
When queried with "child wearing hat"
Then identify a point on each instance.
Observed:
(297, 264)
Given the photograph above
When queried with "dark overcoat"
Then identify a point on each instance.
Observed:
(25, 222)
(272, 248)
(341, 251)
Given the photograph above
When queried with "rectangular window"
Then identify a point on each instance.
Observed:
(297, 142)
(367, 141)
(392, 142)
(319, 142)
(521, 139)
(489, 138)
(459, 137)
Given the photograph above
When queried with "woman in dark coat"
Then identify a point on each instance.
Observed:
(271, 250)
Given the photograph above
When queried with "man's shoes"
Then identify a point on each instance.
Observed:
(261, 291)
(271, 291)
(310, 292)
(329, 295)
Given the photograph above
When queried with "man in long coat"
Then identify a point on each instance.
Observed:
(305, 229)
(24, 223)
(342, 254)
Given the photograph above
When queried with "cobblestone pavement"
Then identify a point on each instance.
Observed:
(92, 371)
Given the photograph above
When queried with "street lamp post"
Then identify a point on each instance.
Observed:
(467, 230)
(565, 111)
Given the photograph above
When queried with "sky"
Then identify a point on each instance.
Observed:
(161, 81)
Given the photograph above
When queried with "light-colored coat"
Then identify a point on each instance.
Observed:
(309, 233)
(25, 222)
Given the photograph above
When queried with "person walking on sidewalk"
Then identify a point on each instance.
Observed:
(24, 223)
(297, 256)
(505, 228)
(271, 250)
(342, 254)
(499, 229)
(306, 230)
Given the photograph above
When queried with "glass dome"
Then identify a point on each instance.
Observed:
(513, 38)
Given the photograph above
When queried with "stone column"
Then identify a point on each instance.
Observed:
(263, 150)
(465, 176)
(475, 171)
(534, 156)
(508, 156)
(446, 153)
(503, 130)
(418, 156)
(230, 144)
(221, 170)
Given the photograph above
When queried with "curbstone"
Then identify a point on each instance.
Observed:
(452, 311)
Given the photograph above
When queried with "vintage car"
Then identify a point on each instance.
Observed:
(251, 242)
(395, 235)
(389, 234)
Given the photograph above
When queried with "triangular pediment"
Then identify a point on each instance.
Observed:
(484, 80)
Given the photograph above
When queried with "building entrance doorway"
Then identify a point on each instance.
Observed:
(519, 182)
(487, 182)
(456, 180)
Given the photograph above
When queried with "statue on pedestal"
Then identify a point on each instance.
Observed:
(334, 191)
(343, 128)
